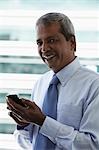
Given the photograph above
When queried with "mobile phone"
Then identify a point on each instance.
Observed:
(16, 99)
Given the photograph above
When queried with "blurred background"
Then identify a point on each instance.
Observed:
(20, 64)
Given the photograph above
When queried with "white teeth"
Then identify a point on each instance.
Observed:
(48, 57)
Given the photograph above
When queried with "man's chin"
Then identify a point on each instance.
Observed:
(48, 64)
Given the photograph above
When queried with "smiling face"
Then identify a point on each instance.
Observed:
(53, 48)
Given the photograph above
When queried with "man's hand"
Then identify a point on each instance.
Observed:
(25, 115)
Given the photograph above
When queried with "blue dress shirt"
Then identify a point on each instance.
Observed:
(77, 124)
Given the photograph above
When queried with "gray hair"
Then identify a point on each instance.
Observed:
(66, 26)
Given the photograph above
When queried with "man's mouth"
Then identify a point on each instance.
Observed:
(48, 57)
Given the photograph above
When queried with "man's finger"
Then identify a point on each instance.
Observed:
(29, 103)
(17, 119)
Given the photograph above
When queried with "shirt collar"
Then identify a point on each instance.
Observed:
(68, 71)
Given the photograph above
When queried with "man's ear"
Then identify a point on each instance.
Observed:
(73, 43)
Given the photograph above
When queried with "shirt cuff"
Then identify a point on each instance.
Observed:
(50, 127)
(54, 129)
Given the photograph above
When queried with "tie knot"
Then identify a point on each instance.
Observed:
(54, 80)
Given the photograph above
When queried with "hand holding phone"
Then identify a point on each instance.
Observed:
(16, 99)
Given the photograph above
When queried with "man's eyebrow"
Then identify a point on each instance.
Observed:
(38, 40)
(54, 36)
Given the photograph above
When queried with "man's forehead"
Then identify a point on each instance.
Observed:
(42, 29)
(51, 25)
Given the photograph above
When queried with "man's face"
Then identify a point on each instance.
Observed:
(53, 48)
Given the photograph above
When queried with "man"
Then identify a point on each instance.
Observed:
(76, 126)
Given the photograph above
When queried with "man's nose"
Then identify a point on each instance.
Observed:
(45, 47)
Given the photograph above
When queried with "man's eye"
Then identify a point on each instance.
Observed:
(52, 40)
(39, 43)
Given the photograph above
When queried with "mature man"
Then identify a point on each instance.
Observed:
(63, 113)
